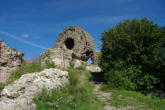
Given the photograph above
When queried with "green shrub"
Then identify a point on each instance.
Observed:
(49, 64)
(117, 79)
(129, 78)
(139, 44)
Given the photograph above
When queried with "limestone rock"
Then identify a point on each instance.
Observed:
(10, 59)
(19, 95)
(61, 57)
(77, 63)
(93, 68)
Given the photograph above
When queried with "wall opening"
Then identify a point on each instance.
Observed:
(69, 42)
(90, 61)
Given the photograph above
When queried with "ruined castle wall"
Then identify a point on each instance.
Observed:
(10, 59)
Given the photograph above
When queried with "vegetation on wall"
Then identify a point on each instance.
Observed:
(2, 85)
(133, 56)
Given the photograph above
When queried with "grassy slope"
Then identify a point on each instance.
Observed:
(26, 67)
(123, 98)
(78, 95)
(29, 67)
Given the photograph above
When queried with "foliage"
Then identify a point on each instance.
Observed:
(81, 67)
(140, 46)
(130, 78)
(49, 64)
(78, 95)
(71, 65)
(26, 67)
(30, 66)
(2, 85)
(135, 100)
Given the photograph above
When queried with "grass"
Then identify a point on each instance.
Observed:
(123, 98)
(2, 85)
(26, 67)
(29, 67)
(78, 95)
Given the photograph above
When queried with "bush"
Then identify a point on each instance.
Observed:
(140, 46)
(129, 78)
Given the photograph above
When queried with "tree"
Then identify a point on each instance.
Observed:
(139, 43)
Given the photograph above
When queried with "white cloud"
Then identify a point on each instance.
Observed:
(25, 35)
(21, 40)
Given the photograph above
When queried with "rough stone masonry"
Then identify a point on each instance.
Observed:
(10, 59)
(72, 43)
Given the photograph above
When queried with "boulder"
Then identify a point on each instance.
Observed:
(19, 95)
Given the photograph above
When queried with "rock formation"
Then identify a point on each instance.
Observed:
(10, 59)
(73, 43)
(19, 95)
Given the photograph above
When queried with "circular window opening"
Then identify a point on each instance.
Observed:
(69, 42)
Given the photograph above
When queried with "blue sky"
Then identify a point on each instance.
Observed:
(31, 26)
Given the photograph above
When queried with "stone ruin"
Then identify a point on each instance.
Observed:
(72, 44)
(10, 59)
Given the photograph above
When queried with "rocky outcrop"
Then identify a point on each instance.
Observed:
(19, 95)
(10, 59)
(72, 43)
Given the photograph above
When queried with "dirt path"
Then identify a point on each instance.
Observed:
(104, 96)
